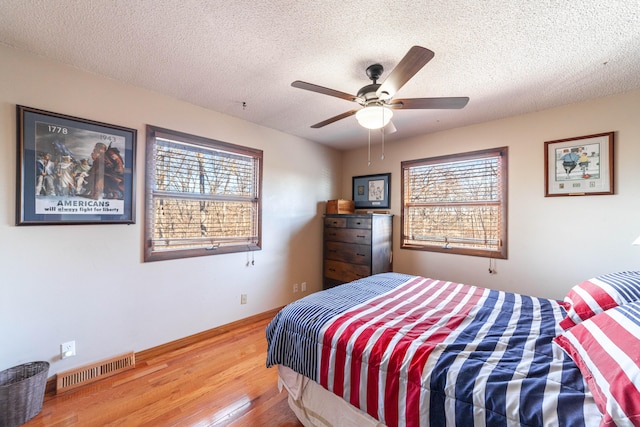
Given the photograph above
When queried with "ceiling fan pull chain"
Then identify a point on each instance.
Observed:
(382, 131)
(369, 154)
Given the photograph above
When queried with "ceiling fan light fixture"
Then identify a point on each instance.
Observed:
(374, 116)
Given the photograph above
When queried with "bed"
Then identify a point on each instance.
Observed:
(400, 350)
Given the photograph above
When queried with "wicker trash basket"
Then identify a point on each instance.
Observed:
(22, 392)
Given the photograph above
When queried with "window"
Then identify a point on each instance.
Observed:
(456, 204)
(203, 197)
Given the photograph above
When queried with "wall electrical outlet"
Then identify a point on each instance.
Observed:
(243, 299)
(295, 287)
(303, 286)
(67, 349)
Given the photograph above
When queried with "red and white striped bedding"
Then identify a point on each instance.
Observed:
(422, 352)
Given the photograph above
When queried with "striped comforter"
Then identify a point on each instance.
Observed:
(412, 351)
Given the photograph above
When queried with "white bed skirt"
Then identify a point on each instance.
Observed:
(315, 406)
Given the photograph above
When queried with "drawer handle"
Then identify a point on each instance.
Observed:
(358, 222)
(360, 254)
(332, 234)
(333, 251)
(332, 269)
(360, 237)
(335, 222)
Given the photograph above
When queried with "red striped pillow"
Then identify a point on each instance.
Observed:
(606, 348)
(601, 293)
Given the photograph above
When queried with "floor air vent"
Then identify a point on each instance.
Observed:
(77, 377)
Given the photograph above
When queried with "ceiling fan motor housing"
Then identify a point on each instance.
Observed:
(367, 94)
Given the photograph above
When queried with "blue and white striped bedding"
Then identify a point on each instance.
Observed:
(482, 357)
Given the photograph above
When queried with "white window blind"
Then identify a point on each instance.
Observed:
(203, 196)
(456, 203)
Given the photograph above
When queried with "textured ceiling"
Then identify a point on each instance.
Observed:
(508, 57)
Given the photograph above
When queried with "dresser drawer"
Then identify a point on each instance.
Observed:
(343, 271)
(335, 222)
(359, 223)
(348, 252)
(348, 235)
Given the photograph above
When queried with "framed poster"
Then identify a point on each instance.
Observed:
(73, 171)
(581, 166)
(372, 191)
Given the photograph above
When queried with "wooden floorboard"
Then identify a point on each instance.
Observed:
(218, 381)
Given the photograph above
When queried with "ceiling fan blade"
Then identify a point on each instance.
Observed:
(413, 61)
(451, 103)
(323, 90)
(334, 119)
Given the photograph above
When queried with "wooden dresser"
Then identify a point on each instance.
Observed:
(356, 246)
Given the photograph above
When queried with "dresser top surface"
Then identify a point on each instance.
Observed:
(356, 215)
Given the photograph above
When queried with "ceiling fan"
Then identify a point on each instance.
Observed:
(377, 99)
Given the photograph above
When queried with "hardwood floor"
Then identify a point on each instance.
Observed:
(220, 381)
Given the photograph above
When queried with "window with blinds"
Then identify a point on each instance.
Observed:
(202, 196)
(456, 204)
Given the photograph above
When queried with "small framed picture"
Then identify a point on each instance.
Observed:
(73, 171)
(581, 166)
(372, 191)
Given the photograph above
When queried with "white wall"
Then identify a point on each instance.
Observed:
(88, 283)
(554, 242)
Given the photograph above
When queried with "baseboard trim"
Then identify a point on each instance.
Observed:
(144, 355)
(149, 353)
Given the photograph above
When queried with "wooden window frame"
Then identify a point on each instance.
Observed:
(407, 242)
(208, 245)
